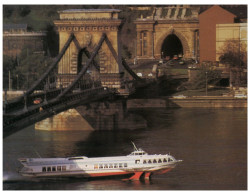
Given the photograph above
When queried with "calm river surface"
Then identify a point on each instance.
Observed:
(211, 142)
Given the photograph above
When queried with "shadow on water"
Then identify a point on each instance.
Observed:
(211, 142)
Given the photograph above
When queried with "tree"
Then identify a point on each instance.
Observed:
(31, 66)
(9, 65)
(235, 58)
(206, 75)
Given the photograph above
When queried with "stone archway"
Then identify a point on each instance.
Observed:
(160, 41)
(171, 47)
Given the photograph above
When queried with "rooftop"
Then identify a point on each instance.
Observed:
(90, 10)
(14, 26)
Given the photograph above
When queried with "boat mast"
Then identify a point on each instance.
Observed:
(134, 146)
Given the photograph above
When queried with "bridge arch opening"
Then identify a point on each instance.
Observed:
(171, 46)
(92, 73)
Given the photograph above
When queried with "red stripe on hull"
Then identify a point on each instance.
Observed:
(107, 174)
(159, 172)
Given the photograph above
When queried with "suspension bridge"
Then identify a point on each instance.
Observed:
(88, 68)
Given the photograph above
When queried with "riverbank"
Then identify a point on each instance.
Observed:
(190, 102)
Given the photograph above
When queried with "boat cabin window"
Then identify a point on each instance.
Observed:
(125, 165)
(75, 158)
(149, 162)
(144, 162)
(100, 166)
(164, 160)
(120, 165)
(159, 161)
(105, 166)
(169, 159)
(48, 169)
(43, 169)
(154, 161)
(63, 168)
(115, 165)
(53, 168)
(95, 166)
(58, 168)
(137, 161)
(110, 165)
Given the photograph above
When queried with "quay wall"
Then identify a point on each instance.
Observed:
(199, 102)
(12, 94)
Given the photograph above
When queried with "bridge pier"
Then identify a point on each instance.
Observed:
(95, 116)
(67, 120)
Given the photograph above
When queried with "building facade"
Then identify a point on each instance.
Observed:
(234, 34)
(207, 34)
(16, 37)
(167, 32)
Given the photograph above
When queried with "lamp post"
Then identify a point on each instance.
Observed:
(17, 81)
(206, 83)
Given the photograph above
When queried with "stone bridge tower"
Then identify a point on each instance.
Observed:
(88, 25)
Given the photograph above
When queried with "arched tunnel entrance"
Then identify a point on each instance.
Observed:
(171, 46)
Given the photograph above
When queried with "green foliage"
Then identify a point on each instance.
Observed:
(234, 54)
(24, 10)
(7, 11)
(31, 67)
(9, 64)
(204, 75)
(25, 69)
(235, 57)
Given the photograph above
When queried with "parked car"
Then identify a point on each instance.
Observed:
(240, 96)
(37, 101)
(139, 74)
(192, 66)
(175, 57)
(179, 97)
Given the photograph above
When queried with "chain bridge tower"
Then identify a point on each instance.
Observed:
(88, 25)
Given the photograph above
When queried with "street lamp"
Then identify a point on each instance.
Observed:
(17, 81)
(206, 83)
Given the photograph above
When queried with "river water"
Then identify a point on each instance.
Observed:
(211, 142)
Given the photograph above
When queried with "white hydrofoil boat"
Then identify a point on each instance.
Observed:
(136, 164)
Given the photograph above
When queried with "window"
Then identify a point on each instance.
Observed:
(96, 166)
(115, 165)
(125, 165)
(164, 160)
(43, 169)
(110, 165)
(120, 165)
(105, 166)
(54, 168)
(63, 168)
(144, 162)
(100, 166)
(137, 161)
(154, 161)
(58, 168)
(149, 162)
(159, 161)
(145, 43)
(48, 169)
(75, 158)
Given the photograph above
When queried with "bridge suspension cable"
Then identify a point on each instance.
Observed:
(84, 69)
(125, 65)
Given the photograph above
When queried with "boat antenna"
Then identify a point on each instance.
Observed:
(36, 153)
(134, 146)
